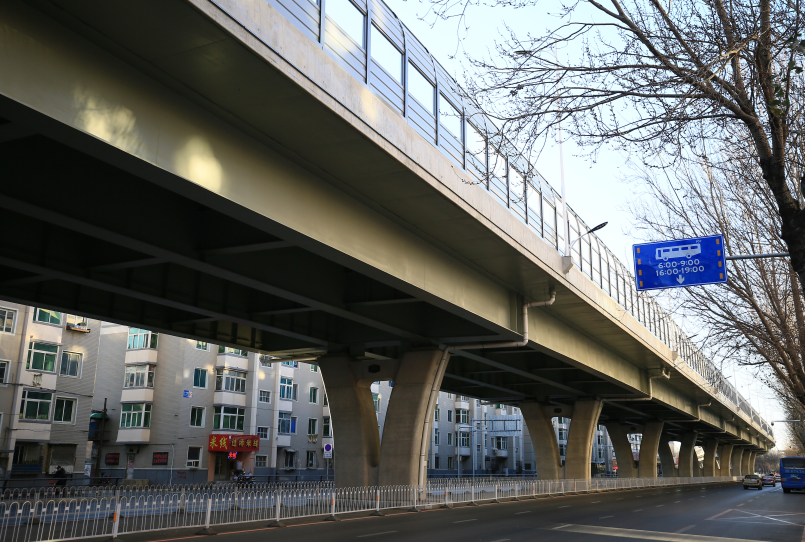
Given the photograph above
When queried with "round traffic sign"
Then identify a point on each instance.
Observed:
(328, 447)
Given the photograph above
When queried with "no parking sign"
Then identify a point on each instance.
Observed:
(328, 451)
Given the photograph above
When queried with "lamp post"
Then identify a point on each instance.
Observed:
(567, 259)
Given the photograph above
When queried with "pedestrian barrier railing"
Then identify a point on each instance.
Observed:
(72, 518)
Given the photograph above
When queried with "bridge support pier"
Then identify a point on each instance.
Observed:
(726, 459)
(649, 445)
(710, 448)
(537, 418)
(580, 438)
(745, 462)
(687, 453)
(667, 458)
(752, 456)
(737, 461)
(623, 449)
(409, 418)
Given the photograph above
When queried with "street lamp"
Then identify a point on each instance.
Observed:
(567, 260)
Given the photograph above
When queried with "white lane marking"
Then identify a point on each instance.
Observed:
(676, 502)
(565, 506)
(526, 512)
(619, 499)
(594, 502)
(501, 540)
(465, 520)
(769, 517)
(683, 529)
(727, 511)
(659, 505)
(639, 510)
(605, 517)
(375, 534)
(645, 535)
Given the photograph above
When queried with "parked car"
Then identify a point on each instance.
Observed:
(768, 480)
(753, 480)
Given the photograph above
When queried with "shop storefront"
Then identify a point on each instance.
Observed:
(231, 455)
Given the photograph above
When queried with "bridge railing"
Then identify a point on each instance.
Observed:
(78, 518)
(442, 113)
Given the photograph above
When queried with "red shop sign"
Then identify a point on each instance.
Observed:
(234, 443)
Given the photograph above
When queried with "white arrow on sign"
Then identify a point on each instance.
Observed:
(680, 279)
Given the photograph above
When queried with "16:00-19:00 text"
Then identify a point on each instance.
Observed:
(675, 268)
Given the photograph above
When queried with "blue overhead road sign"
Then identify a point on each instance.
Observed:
(680, 263)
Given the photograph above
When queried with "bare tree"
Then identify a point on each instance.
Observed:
(757, 318)
(653, 76)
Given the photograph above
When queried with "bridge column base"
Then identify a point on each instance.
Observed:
(726, 459)
(710, 448)
(667, 458)
(687, 453)
(619, 436)
(747, 454)
(537, 418)
(580, 438)
(752, 457)
(649, 446)
(737, 461)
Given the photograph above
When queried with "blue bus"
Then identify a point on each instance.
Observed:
(792, 473)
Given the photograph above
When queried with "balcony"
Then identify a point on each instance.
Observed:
(137, 395)
(141, 355)
(461, 404)
(464, 451)
(229, 398)
(499, 452)
(138, 435)
(233, 361)
(283, 441)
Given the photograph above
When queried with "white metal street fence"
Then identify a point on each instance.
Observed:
(66, 517)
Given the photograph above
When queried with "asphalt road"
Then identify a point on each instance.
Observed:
(711, 513)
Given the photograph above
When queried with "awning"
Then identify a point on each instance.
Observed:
(97, 416)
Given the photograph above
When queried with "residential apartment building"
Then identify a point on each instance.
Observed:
(185, 411)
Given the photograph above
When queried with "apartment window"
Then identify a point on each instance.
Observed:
(449, 395)
(376, 401)
(600, 427)
(312, 461)
(42, 357)
(478, 448)
(562, 449)
(436, 462)
(199, 378)
(314, 368)
(450, 438)
(464, 440)
(260, 461)
(7, 319)
(562, 434)
(501, 443)
(435, 437)
(64, 411)
(233, 351)
(313, 426)
(560, 420)
(265, 360)
(70, 364)
(201, 345)
(325, 428)
(449, 415)
(451, 462)
(436, 413)
(314, 396)
(135, 415)
(226, 417)
(197, 416)
(35, 405)
(3, 371)
(288, 389)
(325, 402)
(463, 416)
(141, 338)
(600, 439)
(293, 364)
(600, 453)
(287, 423)
(47, 316)
(139, 376)
(194, 456)
(230, 380)
(290, 459)
(265, 396)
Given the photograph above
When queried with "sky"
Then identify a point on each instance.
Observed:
(597, 188)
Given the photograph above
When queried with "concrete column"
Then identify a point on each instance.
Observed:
(537, 418)
(710, 447)
(409, 417)
(752, 456)
(623, 449)
(580, 438)
(667, 459)
(726, 459)
(354, 420)
(737, 458)
(745, 462)
(649, 445)
(687, 455)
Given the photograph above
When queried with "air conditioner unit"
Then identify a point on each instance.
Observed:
(193, 464)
